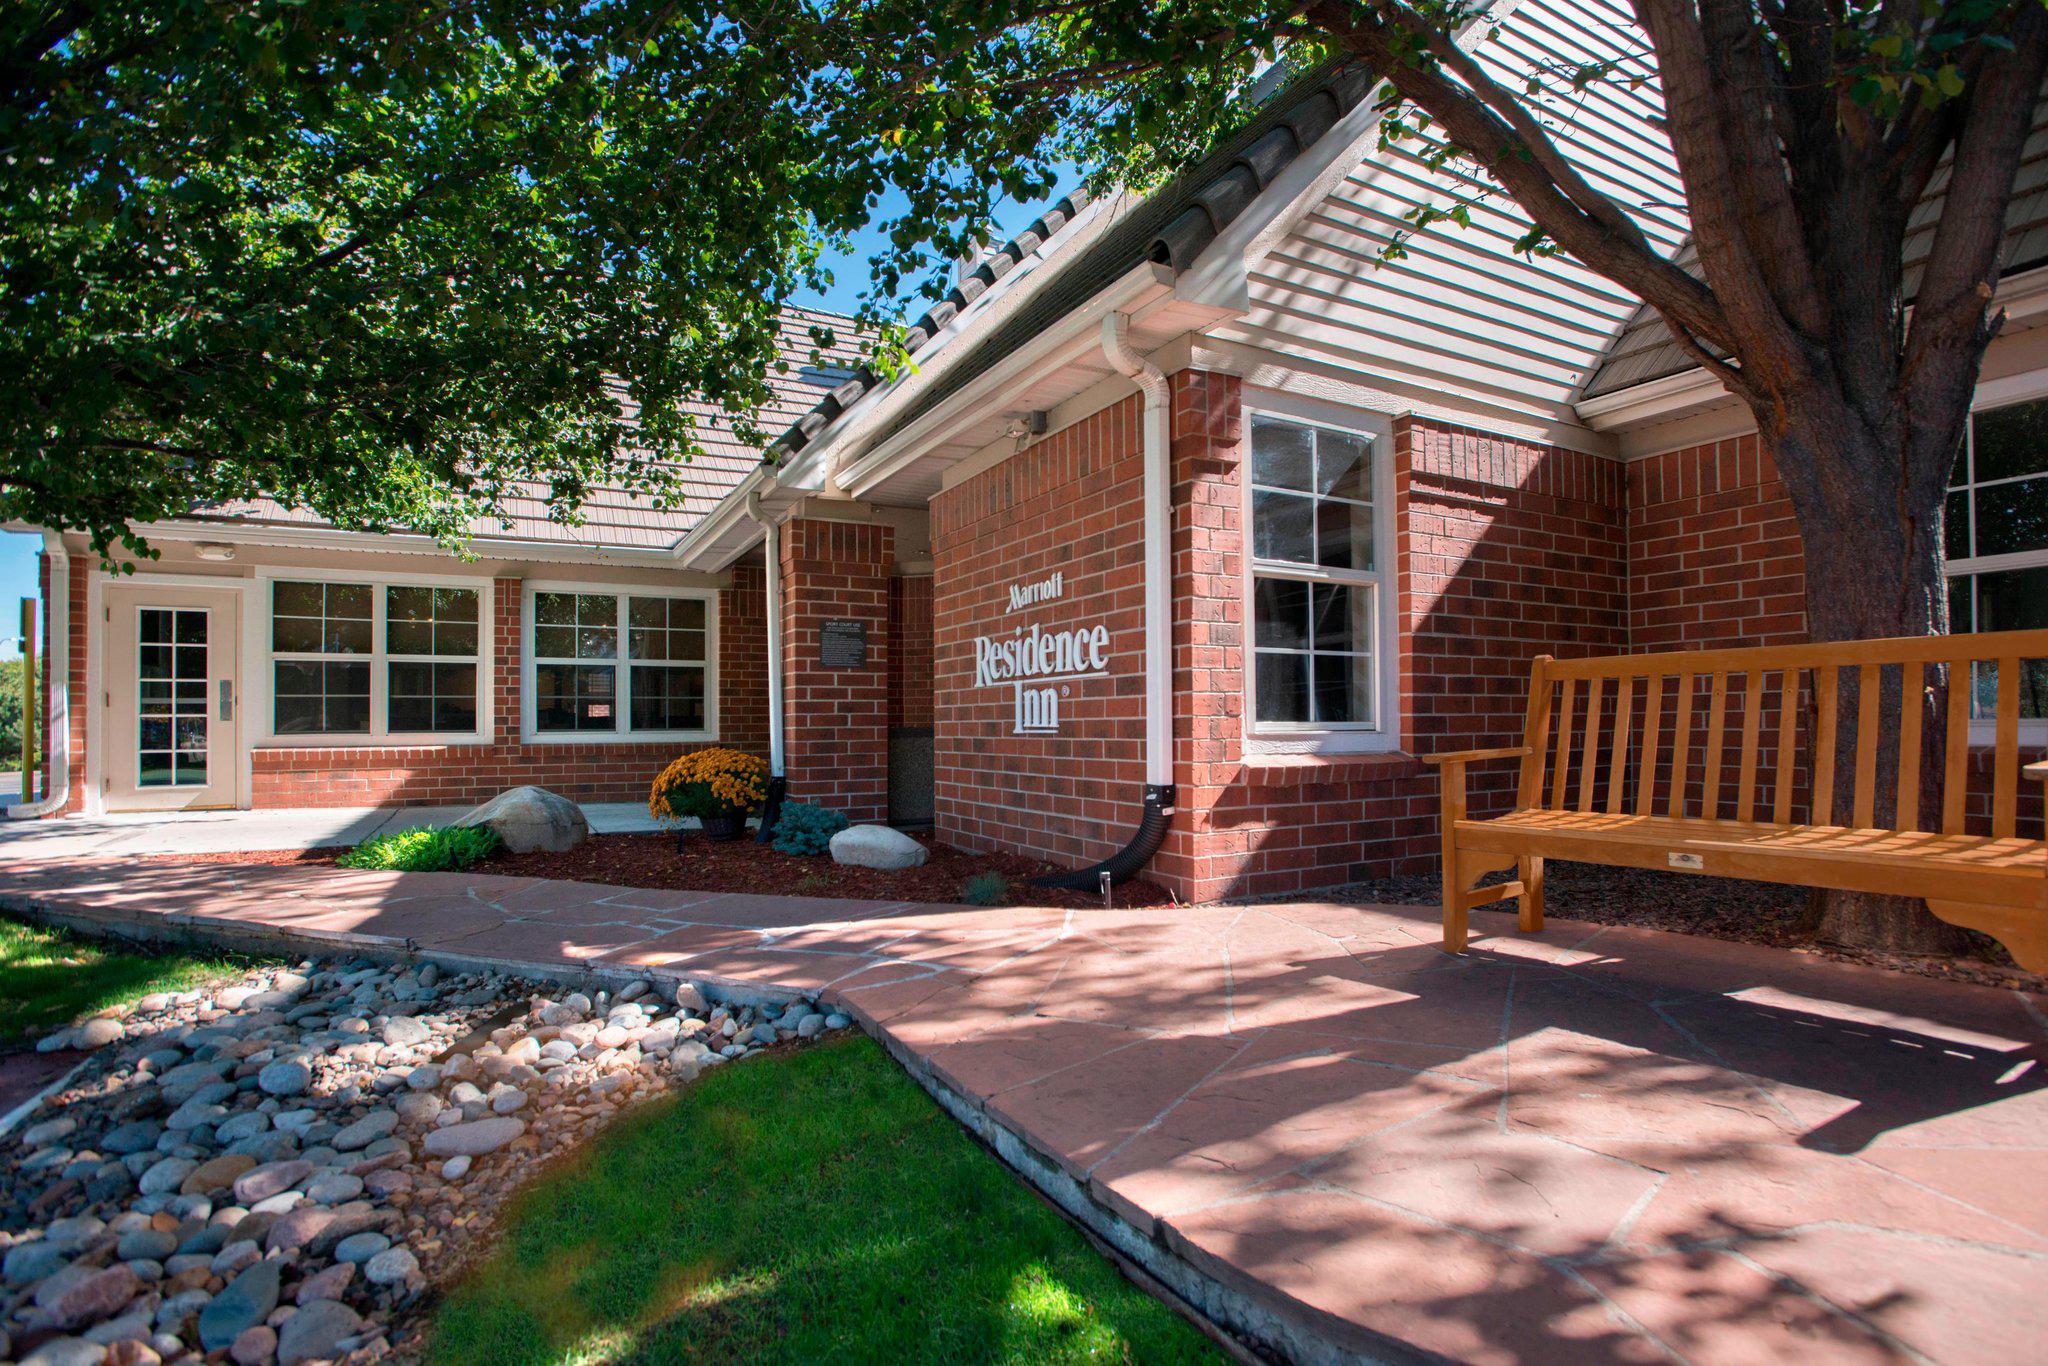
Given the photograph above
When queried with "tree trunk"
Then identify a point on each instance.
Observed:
(1870, 520)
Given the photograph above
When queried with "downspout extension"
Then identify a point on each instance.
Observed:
(1159, 796)
(771, 555)
(57, 686)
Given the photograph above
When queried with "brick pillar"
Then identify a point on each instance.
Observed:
(836, 720)
(506, 653)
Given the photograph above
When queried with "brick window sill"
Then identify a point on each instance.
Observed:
(1290, 770)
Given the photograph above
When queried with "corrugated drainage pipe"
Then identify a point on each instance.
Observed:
(1152, 827)
(771, 556)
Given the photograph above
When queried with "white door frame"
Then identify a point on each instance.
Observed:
(101, 729)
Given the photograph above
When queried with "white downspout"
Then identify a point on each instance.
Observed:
(1157, 435)
(771, 554)
(57, 683)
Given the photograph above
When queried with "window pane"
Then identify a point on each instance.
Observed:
(1955, 527)
(554, 609)
(348, 600)
(295, 634)
(1282, 527)
(2012, 517)
(1343, 535)
(648, 612)
(1340, 617)
(666, 629)
(1280, 614)
(431, 621)
(1343, 689)
(1283, 687)
(1282, 454)
(2011, 441)
(409, 604)
(574, 697)
(597, 642)
(554, 642)
(409, 637)
(455, 604)
(433, 697)
(1344, 465)
(668, 698)
(457, 639)
(296, 599)
(314, 618)
(316, 698)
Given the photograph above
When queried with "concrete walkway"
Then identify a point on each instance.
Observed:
(1593, 1145)
(135, 834)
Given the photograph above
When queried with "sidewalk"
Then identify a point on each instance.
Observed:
(1599, 1144)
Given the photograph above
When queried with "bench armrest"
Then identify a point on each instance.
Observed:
(1473, 756)
(2037, 771)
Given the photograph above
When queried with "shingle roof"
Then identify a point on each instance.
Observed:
(1171, 227)
(614, 518)
(1644, 350)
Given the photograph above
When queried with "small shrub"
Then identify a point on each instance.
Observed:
(986, 889)
(806, 829)
(709, 782)
(449, 850)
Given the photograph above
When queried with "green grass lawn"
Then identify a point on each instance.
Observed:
(811, 1206)
(49, 978)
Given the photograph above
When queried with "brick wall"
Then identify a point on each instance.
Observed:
(836, 723)
(1069, 503)
(910, 651)
(1505, 550)
(597, 771)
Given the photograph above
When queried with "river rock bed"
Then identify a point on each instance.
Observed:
(278, 1168)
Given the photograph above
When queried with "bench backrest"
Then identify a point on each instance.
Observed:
(1753, 734)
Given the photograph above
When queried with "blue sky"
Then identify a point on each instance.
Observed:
(850, 269)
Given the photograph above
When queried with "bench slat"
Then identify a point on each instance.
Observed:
(1681, 746)
(2031, 644)
(1788, 741)
(1617, 765)
(1710, 775)
(1869, 685)
(1653, 722)
(1912, 708)
(1955, 781)
(1535, 733)
(1560, 776)
(1752, 723)
(1827, 680)
(2005, 767)
(1589, 748)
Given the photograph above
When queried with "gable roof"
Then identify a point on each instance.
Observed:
(1644, 350)
(614, 518)
(1170, 226)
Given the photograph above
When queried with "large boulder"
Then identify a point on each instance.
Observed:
(876, 846)
(532, 818)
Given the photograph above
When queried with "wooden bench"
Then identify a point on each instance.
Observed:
(1626, 760)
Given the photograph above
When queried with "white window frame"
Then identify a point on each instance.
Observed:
(1383, 734)
(262, 689)
(2011, 391)
(622, 732)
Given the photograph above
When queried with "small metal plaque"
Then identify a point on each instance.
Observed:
(1693, 861)
(843, 644)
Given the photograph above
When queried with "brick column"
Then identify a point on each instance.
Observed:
(836, 720)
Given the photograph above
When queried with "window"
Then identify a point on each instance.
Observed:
(369, 659)
(171, 720)
(1315, 578)
(582, 686)
(1997, 533)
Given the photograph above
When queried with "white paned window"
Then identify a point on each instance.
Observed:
(374, 660)
(621, 663)
(1317, 577)
(1997, 532)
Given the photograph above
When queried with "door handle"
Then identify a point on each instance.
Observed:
(227, 699)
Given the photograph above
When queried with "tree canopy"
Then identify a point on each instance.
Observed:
(382, 260)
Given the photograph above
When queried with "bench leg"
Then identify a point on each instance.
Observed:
(1529, 870)
(1457, 916)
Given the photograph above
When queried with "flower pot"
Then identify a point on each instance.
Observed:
(724, 827)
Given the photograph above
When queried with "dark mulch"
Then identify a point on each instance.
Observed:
(701, 865)
(1767, 913)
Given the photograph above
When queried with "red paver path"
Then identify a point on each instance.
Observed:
(1594, 1144)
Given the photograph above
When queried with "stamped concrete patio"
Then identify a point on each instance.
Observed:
(1598, 1144)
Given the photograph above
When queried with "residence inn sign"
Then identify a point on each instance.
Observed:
(1038, 661)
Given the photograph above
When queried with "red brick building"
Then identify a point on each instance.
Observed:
(1200, 517)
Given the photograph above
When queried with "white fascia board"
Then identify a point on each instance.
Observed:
(724, 520)
(1221, 276)
(810, 468)
(1076, 330)
(400, 543)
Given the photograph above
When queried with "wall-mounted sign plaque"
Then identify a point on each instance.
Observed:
(843, 644)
